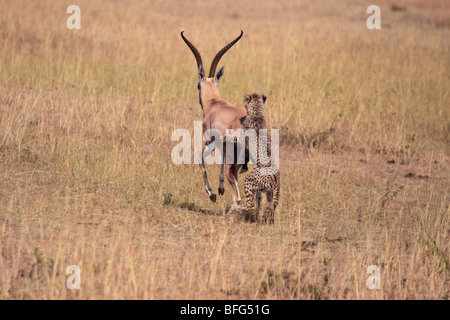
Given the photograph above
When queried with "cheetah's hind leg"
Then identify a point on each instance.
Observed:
(269, 214)
(258, 206)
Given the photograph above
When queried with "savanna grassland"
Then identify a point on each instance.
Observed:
(86, 176)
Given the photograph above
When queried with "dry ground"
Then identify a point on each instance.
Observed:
(86, 178)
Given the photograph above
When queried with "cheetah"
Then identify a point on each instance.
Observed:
(265, 176)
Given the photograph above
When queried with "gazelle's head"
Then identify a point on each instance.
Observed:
(211, 82)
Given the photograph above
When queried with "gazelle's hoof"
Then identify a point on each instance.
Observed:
(212, 197)
(221, 191)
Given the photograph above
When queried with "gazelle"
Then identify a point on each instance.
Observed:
(218, 114)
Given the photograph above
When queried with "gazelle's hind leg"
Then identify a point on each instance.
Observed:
(231, 173)
(222, 176)
(206, 152)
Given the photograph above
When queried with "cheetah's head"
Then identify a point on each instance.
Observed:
(254, 103)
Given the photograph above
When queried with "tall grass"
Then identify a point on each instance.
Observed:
(86, 177)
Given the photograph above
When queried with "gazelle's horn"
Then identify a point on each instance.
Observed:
(194, 50)
(219, 55)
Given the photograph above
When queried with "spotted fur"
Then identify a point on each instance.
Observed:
(264, 177)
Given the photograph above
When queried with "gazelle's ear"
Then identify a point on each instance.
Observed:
(264, 97)
(219, 75)
(247, 98)
(201, 73)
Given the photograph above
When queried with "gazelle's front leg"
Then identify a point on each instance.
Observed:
(206, 152)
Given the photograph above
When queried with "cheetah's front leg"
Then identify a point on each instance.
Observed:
(250, 195)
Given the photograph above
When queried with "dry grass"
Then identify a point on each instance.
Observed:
(86, 178)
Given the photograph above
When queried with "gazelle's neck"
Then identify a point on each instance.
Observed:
(210, 94)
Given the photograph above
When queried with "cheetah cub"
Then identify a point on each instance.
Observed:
(265, 176)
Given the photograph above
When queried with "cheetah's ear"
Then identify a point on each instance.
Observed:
(247, 98)
(264, 97)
